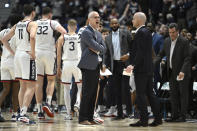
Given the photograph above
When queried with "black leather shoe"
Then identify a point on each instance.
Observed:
(2, 119)
(173, 119)
(118, 118)
(180, 119)
(156, 123)
(139, 124)
(85, 123)
(94, 123)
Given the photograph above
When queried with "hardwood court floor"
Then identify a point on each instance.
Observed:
(58, 124)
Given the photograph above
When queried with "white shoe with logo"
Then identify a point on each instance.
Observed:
(97, 118)
(68, 117)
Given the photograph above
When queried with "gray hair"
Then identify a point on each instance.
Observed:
(91, 14)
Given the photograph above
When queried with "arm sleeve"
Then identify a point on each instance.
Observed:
(187, 57)
(88, 39)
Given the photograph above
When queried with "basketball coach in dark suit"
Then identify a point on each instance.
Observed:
(92, 45)
(176, 50)
(142, 65)
(117, 43)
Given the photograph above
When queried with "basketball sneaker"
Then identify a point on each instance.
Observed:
(97, 118)
(48, 109)
(68, 117)
(41, 115)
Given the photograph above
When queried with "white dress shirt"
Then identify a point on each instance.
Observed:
(173, 43)
(116, 44)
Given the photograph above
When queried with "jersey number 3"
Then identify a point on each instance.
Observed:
(72, 48)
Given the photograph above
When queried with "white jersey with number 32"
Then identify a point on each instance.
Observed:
(44, 37)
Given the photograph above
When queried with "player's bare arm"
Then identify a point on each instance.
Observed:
(7, 37)
(61, 30)
(59, 52)
(32, 29)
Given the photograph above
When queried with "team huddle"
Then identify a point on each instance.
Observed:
(30, 52)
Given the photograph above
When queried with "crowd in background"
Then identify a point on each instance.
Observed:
(159, 12)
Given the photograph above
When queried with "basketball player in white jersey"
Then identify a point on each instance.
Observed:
(46, 59)
(7, 71)
(78, 100)
(69, 47)
(24, 60)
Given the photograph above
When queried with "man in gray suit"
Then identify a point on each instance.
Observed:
(92, 46)
(117, 43)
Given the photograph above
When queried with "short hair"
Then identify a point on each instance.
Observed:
(27, 10)
(173, 25)
(184, 30)
(152, 24)
(15, 18)
(91, 13)
(105, 30)
(72, 22)
(46, 10)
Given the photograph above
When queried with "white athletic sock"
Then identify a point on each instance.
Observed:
(23, 111)
(49, 98)
(39, 106)
(15, 113)
(79, 87)
(149, 109)
(67, 97)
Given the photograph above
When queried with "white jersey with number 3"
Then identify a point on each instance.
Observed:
(44, 37)
(71, 48)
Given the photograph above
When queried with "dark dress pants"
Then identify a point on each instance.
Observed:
(126, 94)
(179, 96)
(117, 82)
(144, 91)
(90, 80)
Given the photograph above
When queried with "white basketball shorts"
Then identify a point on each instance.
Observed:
(24, 67)
(7, 69)
(45, 62)
(70, 69)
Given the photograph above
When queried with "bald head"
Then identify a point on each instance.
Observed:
(114, 20)
(139, 19)
(114, 24)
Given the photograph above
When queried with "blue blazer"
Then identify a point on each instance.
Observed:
(157, 43)
(91, 39)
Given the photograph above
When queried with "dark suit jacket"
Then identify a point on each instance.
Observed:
(141, 52)
(125, 42)
(91, 39)
(180, 57)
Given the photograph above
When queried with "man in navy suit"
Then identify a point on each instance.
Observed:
(157, 40)
(92, 46)
(142, 65)
(157, 43)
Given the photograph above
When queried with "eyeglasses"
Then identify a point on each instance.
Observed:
(96, 17)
